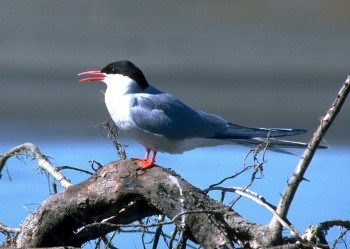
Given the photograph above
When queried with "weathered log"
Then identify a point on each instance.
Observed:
(121, 193)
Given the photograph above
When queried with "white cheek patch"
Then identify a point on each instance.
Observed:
(118, 84)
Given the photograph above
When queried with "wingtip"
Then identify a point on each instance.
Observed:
(301, 131)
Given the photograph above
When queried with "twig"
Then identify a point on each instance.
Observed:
(144, 232)
(298, 174)
(43, 162)
(141, 225)
(108, 241)
(182, 240)
(93, 162)
(6, 229)
(257, 166)
(172, 237)
(158, 231)
(340, 239)
(59, 168)
(259, 199)
(113, 134)
(229, 177)
(316, 233)
(11, 235)
(261, 147)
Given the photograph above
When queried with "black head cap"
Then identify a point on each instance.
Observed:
(127, 68)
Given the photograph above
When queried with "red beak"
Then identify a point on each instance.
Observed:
(96, 75)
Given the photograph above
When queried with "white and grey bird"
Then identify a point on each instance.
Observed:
(161, 122)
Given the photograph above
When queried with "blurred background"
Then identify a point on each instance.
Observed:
(256, 63)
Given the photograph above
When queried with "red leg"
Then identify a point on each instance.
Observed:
(148, 163)
(147, 154)
(142, 159)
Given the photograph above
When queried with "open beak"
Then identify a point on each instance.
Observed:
(96, 75)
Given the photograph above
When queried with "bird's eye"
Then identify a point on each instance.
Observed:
(110, 70)
(114, 71)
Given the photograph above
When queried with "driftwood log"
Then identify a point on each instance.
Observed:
(121, 193)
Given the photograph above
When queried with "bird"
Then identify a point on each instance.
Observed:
(163, 123)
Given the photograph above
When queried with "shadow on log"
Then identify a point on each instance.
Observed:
(121, 193)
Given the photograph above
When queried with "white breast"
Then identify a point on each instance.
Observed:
(118, 101)
(119, 110)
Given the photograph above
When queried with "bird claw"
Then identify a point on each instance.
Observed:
(144, 164)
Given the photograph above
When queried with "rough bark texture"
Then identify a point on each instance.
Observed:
(122, 193)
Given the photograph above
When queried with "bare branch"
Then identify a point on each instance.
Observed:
(11, 235)
(112, 226)
(259, 199)
(257, 165)
(341, 239)
(298, 174)
(6, 229)
(43, 162)
(171, 238)
(108, 241)
(245, 168)
(113, 134)
(317, 233)
(158, 231)
(59, 168)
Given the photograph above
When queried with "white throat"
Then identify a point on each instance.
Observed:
(117, 85)
(118, 98)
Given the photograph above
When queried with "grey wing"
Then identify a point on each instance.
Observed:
(234, 131)
(254, 136)
(165, 115)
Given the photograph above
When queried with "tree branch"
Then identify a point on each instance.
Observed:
(261, 201)
(7, 229)
(316, 234)
(298, 174)
(113, 134)
(43, 162)
(120, 193)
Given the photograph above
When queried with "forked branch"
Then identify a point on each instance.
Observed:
(316, 234)
(43, 161)
(298, 174)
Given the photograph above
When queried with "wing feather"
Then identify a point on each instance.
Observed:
(165, 115)
(234, 131)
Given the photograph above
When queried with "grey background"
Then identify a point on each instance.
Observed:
(256, 63)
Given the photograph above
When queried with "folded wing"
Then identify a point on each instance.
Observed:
(234, 131)
(165, 115)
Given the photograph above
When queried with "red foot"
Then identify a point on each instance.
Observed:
(145, 164)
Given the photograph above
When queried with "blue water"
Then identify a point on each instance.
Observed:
(325, 196)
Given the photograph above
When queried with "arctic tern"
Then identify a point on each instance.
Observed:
(161, 122)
